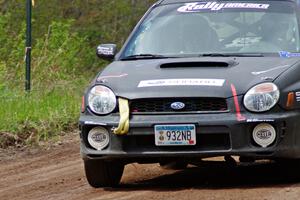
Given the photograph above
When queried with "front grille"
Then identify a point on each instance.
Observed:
(191, 105)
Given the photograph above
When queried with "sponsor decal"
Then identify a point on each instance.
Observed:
(269, 70)
(94, 123)
(266, 78)
(297, 96)
(264, 134)
(101, 78)
(215, 6)
(182, 82)
(99, 137)
(286, 54)
(260, 120)
(105, 50)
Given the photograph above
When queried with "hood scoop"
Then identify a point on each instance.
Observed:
(198, 64)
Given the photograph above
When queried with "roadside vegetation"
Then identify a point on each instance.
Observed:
(65, 35)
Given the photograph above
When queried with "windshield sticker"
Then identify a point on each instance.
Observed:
(182, 82)
(215, 6)
(286, 54)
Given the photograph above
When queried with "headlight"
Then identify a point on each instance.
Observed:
(102, 100)
(262, 97)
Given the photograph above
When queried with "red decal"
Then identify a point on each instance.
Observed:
(239, 116)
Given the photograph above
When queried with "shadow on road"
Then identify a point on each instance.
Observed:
(219, 175)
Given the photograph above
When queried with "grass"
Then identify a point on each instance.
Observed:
(38, 116)
(61, 62)
(63, 59)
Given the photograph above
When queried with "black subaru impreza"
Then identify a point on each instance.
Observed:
(196, 79)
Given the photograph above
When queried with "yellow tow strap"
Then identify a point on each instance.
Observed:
(123, 127)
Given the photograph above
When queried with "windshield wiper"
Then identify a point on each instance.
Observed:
(232, 55)
(145, 56)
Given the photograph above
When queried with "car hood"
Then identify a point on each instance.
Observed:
(191, 77)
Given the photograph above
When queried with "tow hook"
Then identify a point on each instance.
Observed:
(230, 161)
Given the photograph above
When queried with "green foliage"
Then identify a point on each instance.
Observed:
(53, 105)
(57, 57)
(11, 52)
(39, 115)
(65, 35)
(2, 75)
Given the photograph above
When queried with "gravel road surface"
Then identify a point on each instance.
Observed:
(57, 173)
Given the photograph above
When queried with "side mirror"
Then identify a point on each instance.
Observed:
(107, 51)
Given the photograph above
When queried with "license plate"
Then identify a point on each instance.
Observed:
(175, 135)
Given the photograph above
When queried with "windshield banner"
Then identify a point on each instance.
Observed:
(215, 6)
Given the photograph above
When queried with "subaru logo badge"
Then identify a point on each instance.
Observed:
(177, 106)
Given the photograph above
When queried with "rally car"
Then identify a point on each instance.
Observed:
(196, 79)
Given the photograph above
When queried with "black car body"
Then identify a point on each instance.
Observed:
(196, 79)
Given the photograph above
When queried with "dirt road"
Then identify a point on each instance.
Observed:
(57, 173)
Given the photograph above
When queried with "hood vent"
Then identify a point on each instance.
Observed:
(196, 64)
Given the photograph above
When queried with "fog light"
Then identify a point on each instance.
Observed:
(264, 134)
(98, 138)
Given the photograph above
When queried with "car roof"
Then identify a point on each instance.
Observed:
(186, 1)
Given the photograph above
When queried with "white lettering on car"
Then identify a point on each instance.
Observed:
(215, 6)
(182, 82)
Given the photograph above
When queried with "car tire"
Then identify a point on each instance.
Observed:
(100, 173)
(176, 165)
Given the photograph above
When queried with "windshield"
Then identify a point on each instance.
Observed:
(217, 27)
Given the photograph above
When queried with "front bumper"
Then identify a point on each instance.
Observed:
(217, 135)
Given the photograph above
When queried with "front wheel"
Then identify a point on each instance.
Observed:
(100, 173)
